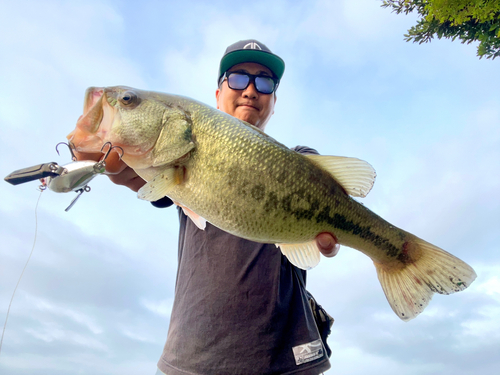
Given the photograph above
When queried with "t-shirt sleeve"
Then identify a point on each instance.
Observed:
(305, 150)
(163, 202)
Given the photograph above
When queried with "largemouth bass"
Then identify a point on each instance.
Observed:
(230, 173)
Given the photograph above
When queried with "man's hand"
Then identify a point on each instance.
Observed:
(327, 244)
(117, 171)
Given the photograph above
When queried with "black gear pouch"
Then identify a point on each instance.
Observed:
(324, 321)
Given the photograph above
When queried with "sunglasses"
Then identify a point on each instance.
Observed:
(240, 81)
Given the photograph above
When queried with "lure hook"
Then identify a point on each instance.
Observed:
(85, 189)
(73, 157)
(111, 147)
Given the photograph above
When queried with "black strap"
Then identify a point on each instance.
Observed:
(324, 321)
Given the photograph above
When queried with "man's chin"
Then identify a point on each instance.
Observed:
(247, 115)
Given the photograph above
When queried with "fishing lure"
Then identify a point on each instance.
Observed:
(74, 176)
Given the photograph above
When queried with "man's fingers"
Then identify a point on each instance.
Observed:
(327, 244)
(87, 156)
(114, 164)
(118, 171)
(128, 178)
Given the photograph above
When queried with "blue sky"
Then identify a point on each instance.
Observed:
(96, 295)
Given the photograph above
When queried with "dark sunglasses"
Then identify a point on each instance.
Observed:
(240, 81)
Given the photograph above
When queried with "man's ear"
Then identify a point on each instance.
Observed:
(217, 93)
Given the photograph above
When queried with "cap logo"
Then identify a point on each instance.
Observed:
(252, 45)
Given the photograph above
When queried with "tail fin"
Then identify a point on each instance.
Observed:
(410, 288)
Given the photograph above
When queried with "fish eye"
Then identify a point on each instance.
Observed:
(128, 97)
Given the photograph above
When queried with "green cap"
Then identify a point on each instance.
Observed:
(251, 50)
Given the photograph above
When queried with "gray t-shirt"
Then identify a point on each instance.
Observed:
(239, 309)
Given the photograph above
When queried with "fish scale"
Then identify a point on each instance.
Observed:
(225, 171)
(252, 218)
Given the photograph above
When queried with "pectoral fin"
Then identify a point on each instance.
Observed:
(303, 255)
(159, 186)
(356, 176)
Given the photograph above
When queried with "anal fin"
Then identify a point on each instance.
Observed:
(303, 255)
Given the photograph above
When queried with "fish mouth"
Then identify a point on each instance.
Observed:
(93, 125)
(92, 96)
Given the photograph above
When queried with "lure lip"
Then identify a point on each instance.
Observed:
(36, 172)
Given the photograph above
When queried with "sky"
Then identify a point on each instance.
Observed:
(97, 293)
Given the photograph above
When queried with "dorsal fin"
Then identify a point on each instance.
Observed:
(355, 175)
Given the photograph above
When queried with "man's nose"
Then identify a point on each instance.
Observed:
(251, 91)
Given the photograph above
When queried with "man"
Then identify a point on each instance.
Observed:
(240, 307)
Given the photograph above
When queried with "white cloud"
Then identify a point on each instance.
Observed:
(484, 322)
(162, 308)
(53, 332)
(57, 54)
(491, 287)
(346, 360)
(78, 317)
(486, 325)
(138, 335)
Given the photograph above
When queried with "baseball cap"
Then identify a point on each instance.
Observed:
(251, 50)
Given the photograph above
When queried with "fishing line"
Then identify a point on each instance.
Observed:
(22, 273)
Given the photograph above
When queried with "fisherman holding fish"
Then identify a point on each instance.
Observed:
(240, 306)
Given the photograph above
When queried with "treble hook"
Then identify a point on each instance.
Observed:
(111, 147)
(73, 157)
(80, 192)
